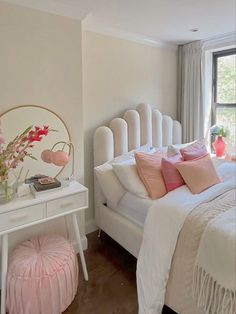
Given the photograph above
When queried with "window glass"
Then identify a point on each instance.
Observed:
(226, 78)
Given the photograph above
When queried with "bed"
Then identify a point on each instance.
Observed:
(166, 277)
(143, 126)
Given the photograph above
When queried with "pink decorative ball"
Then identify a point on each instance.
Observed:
(47, 156)
(59, 158)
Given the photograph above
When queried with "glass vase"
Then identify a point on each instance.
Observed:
(220, 146)
(7, 191)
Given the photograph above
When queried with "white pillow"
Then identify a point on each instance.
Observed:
(129, 178)
(108, 181)
(130, 155)
(110, 185)
(172, 150)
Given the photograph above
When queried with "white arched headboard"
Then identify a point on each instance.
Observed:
(137, 127)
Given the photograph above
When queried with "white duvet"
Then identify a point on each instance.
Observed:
(162, 226)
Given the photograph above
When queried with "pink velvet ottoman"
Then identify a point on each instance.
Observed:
(42, 276)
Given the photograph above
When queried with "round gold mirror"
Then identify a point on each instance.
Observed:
(16, 120)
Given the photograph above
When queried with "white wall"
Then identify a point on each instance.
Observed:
(118, 75)
(40, 63)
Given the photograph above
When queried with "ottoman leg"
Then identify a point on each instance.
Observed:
(81, 253)
(4, 272)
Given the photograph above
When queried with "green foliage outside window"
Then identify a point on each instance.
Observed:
(226, 94)
(226, 79)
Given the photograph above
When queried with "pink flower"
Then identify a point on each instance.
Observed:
(35, 138)
(37, 134)
(16, 150)
(6, 163)
(43, 131)
(2, 141)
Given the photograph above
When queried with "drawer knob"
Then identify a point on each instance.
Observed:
(18, 217)
(68, 204)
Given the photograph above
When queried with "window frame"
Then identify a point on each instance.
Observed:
(215, 104)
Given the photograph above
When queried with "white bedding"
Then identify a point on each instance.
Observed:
(163, 223)
(134, 208)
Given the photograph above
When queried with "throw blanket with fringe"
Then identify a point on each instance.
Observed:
(163, 224)
(214, 283)
(179, 295)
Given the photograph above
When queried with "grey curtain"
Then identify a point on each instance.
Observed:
(190, 91)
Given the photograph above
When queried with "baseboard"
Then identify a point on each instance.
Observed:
(90, 226)
(84, 242)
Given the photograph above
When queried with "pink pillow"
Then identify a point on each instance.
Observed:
(195, 150)
(149, 170)
(199, 174)
(170, 173)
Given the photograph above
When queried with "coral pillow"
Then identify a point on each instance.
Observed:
(195, 150)
(149, 170)
(199, 174)
(170, 173)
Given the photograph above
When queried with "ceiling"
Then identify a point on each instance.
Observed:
(157, 21)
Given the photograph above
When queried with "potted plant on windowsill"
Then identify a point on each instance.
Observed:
(219, 133)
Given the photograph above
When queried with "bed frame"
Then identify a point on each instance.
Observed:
(137, 127)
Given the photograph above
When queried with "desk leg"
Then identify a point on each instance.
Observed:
(68, 226)
(77, 234)
(4, 272)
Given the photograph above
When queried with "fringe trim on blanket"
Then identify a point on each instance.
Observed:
(211, 296)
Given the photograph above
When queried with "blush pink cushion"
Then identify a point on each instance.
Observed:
(171, 175)
(42, 276)
(149, 170)
(199, 174)
(195, 150)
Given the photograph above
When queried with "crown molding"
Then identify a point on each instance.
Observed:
(94, 27)
(224, 40)
(53, 7)
(89, 22)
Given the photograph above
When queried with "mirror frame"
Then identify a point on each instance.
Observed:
(53, 112)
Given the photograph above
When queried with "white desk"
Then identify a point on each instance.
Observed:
(27, 211)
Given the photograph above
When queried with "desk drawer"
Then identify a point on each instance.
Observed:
(65, 204)
(21, 216)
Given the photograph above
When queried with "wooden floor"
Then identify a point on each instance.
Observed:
(111, 288)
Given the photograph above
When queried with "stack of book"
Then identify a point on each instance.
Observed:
(43, 185)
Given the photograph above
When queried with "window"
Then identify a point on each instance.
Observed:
(224, 93)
